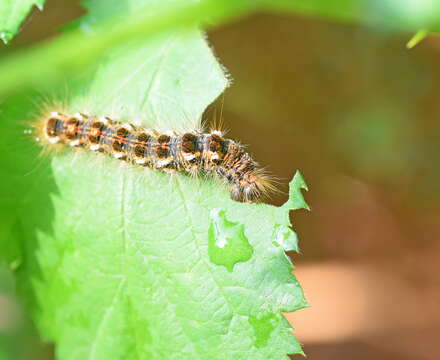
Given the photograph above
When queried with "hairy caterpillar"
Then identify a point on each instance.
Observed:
(193, 152)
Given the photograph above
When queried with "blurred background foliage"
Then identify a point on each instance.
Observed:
(357, 112)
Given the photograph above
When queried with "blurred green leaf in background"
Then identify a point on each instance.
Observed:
(12, 14)
(76, 50)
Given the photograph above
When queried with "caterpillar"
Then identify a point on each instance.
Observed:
(194, 152)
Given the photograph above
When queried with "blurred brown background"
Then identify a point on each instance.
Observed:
(357, 113)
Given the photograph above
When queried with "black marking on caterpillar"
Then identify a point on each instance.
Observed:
(193, 152)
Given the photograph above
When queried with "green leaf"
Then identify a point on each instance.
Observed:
(77, 50)
(69, 54)
(26, 180)
(116, 261)
(338, 9)
(296, 199)
(386, 14)
(417, 38)
(12, 14)
(125, 276)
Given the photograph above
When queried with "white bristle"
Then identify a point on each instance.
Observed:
(162, 163)
(189, 157)
(127, 126)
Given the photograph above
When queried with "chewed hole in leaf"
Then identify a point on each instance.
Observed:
(285, 237)
(227, 242)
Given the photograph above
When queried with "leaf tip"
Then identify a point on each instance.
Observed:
(40, 4)
(6, 36)
(296, 199)
(417, 38)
